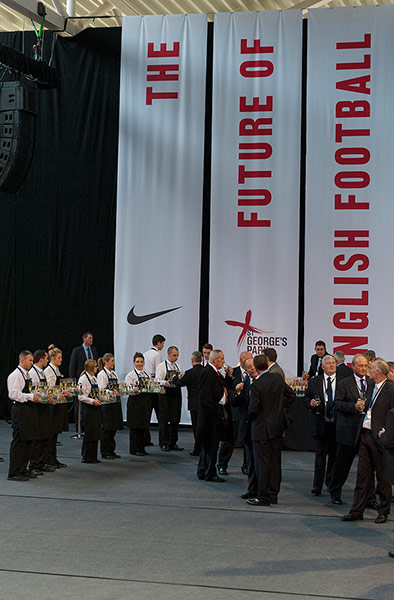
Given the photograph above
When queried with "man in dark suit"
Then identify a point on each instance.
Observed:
(191, 380)
(316, 359)
(386, 435)
(380, 399)
(342, 369)
(214, 419)
(273, 366)
(319, 399)
(270, 398)
(226, 449)
(347, 408)
(80, 354)
(77, 360)
(240, 399)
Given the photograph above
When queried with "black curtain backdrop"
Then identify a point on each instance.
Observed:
(57, 234)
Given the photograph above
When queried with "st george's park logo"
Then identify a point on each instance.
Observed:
(255, 343)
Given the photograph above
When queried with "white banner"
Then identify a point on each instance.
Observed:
(160, 180)
(255, 184)
(350, 180)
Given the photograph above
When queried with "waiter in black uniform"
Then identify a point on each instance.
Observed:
(170, 402)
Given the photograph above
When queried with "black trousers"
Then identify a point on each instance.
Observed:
(326, 448)
(38, 453)
(51, 457)
(194, 419)
(137, 440)
(107, 443)
(19, 453)
(208, 456)
(156, 408)
(252, 477)
(267, 460)
(370, 460)
(89, 450)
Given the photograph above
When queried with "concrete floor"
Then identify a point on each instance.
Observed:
(146, 528)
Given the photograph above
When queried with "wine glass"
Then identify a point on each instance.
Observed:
(318, 401)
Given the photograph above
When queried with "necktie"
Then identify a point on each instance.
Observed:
(330, 403)
(362, 382)
(90, 352)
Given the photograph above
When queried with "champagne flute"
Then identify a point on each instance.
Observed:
(317, 400)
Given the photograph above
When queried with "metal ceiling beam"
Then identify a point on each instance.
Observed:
(53, 21)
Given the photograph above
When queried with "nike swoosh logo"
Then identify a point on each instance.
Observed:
(133, 319)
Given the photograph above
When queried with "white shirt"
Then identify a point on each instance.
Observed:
(86, 387)
(133, 376)
(161, 370)
(152, 360)
(16, 381)
(358, 382)
(104, 376)
(50, 373)
(36, 374)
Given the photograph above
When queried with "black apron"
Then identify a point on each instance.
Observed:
(24, 416)
(58, 412)
(112, 413)
(43, 413)
(91, 416)
(172, 398)
(139, 407)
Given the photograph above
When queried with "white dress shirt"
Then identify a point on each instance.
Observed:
(50, 373)
(152, 359)
(161, 370)
(16, 381)
(103, 378)
(36, 375)
(134, 375)
(86, 387)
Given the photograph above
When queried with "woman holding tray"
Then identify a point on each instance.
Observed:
(59, 413)
(91, 412)
(112, 418)
(139, 407)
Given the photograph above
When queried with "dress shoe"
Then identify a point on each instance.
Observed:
(391, 554)
(216, 479)
(18, 478)
(175, 447)
(244, 470)
(48, 469)
(336, 499)
(117, 455)
(222, 471)
(201, 476)
(351, 517)
(194, 454)
(374, 504)
(60, 465)
(108, 456)
(36, 471)
(381, 519)
(149, 444)
(258, 502)
(315, 492)
(59, 444)
(138, 453)
(164, 448)
(274, 500)
(248, 495)
(90, 462)
(30, 474)
(1, 459)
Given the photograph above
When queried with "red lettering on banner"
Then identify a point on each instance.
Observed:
(355, 320)
(258, 128)
(357, 85)
(341, 263)
(352, 108)
(162, 72)
(366, 43)
(351, 204)
(350, 345)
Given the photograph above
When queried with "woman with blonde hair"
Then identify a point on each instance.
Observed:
(112, 418)
(59, 413)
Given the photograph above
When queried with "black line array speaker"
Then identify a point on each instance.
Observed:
(18, 110)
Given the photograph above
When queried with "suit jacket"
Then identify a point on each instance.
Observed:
(191, 380)
(77, 361)
(387, 441)
(211, 418)
(315, 388)
(237, 378)
(313, 366)
(270, 398)
(277, 369)
(383, 403)
(343, 371)
(347, 418)
(240, 402)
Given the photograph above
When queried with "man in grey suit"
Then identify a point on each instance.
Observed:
(273, 366)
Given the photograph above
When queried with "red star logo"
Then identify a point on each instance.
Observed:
(245, 327)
